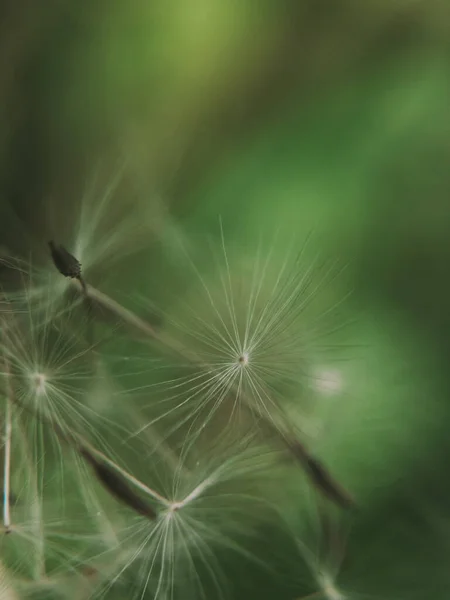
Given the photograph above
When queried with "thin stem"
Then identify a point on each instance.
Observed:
(7, 452)
(136, 482)
(194, 494)
(110, 304)
(134, 320)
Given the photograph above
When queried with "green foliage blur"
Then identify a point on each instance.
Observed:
(310, 117)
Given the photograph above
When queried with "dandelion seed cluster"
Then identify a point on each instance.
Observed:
(143, 459)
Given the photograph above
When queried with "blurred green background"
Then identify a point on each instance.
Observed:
(330, 117)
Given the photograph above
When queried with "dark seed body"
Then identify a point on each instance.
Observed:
(66, 264)
(321, 477)
(118, 487)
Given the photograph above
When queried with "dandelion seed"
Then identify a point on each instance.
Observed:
(106, 226)
(250, 338)
(51, 367)
(66, 264)
(209, 512)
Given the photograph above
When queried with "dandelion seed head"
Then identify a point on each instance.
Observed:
(39, 383)
(205, 512)
(256, 327)
(244, 359)
(51, 363)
